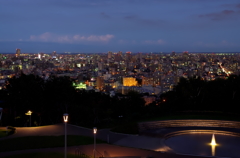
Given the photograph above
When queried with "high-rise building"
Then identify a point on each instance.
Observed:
(120, 53)
(109, 55)
(18, 52)
(54, 53)
(100, 82)
(128, 56)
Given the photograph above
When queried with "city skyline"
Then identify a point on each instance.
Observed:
(136, 26)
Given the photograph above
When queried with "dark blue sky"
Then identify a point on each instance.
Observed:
(119, 25)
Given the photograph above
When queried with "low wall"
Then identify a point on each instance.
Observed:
(187, 123)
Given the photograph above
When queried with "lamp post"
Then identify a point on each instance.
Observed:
(94, 132)
(29, 113)
(65, 119)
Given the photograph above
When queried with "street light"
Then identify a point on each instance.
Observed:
(94, 132)
(29, 113)
(65, 119)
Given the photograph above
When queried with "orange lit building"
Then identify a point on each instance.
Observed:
(100, 82)
(129, 81)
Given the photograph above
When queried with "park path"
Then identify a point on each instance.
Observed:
(121, 144)
(58, 129)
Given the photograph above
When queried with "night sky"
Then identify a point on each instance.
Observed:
(94, 26)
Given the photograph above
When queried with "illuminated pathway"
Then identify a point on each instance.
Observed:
(106, 150)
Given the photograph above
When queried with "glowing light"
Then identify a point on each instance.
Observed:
(129, 81)
(28, 113)
(65, 117)
(213, 144)
(80, 86)
(95, 130)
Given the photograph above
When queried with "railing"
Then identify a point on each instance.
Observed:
(101, 155)
(78, 153)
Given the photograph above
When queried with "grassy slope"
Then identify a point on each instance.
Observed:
(2, 133)
(36, 142)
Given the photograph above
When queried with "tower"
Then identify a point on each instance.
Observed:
(109, 55)
(18, 51)
(54, 53)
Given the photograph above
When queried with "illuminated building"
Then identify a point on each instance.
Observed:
(147, 81)
(100, 66)
(128, 56)
(100, 82)
(18, 52)
(80, 86)
(129, 81)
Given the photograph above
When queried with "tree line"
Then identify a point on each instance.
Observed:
(50, 99)
(197, 95)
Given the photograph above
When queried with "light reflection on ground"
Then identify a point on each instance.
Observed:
(199, 144)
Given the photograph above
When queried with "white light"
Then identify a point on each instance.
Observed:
(95, 130)
(65, 117)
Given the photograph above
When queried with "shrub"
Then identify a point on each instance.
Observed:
(12, 130)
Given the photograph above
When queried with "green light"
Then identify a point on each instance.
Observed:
(80, 86)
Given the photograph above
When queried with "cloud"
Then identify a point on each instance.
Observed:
(156, 42)
(50, 37)
(104, 15)
(219, 16)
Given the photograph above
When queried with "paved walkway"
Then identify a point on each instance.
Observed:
(122, 144)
